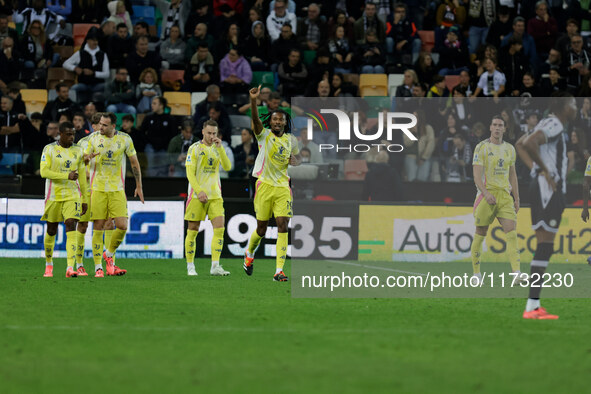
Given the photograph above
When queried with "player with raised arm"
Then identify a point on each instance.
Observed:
(546, 147)
(205, 195)
(278, 148)
(107, 182)
(62, 166)
(495, 178)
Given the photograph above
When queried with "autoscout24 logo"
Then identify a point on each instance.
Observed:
(388, 123)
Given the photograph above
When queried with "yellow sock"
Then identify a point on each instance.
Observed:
(476, 252)
(79, 248)
(254, 242)
(71, 248)
(49, 243)
(217, 243)
(190, 245)
(281, 248)
(97, 246)
(116, 239)
(108, 236)
(513, 250)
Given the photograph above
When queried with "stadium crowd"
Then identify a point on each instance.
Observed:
(451, 49)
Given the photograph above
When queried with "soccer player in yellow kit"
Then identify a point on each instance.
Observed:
(496, 179)
(62, 165)
(277, 149)
(205, 195)
(586, 187)
(107, 183)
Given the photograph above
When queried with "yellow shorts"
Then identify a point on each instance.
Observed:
(485, 214)
(105, 205)
(86, 216)
(196, 211)
(60, 211)
(272, 200)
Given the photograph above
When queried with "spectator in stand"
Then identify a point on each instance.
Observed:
(492, 81)
(119, 13)
(235, 72)
(108, 28)
(529, 44)
(292, 75)
(544, 29)
(514, 63)
(60, 7)
(529, 87)
(159, 128)
(89, 112)
(139, 139)
(477, 134)
(282, 47)
(221, 23)
(450, 13)
(215, 113)
(402, 39)
(466, 84)
(453, 54)
(254, 14)
(438, 89)
(202, 15)
(9, 65)
(172, 50)
(321, 69)
(410, 80)
(459, 164)
(512, 129)
(82, 128)
(554, 83)
(230, 40)
(121, 93)
(201, 70)
(425, 68)
(199, 36)
(10, 132)
(48, 19)
(261, 101)
(499, 28)
(91, 65)
(120, 46)
(563, 41)
(53, 109)
(340, 19)
(202, 108)
(146, 90)
(34, 140)
(304, 142)
(6, 31)
(585, 89)
(141, 58)
(278, 18)
(341, 50)
(175, 12)
(577, 61)
(312, 29)
(340, 88)
(554, 61)
(371, 56)
(369, 22)
(36, 52)
(245, 154)
(481, 14)
(178, 148)
(417, 160)
(257, 48)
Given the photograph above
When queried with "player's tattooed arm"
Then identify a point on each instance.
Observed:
(137, 174)
(256, 121)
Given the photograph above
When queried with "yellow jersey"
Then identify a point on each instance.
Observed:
(496, 159)
(271, 163)
(203, 169)
(83, 143)
(107, 173)
(56, 164)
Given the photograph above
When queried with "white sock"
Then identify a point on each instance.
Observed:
(532, 305)
(97, 267)
(249, 255)
(478, 275)
(108, 253)
(278, 270)
(215, 264)
(78, 265)
(50, 263)
(190, 265)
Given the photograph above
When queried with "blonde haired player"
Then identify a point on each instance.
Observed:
(107, 182)
(62, 165)
(205, 195)
(277, 149)
(496, 179)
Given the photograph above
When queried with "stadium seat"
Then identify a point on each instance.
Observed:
(428, 39)
(8, 161)
(79, 31)
(240, 121)
(57, 75)
(451, 81)
(64, 51)
(120, 116)
(373, 85)
(143, 13)
(35, 99)
(355, 170)
(394, 80)
(52, 95)
(353, 79)
(179, 102)
(196, 98)
(309, 57)
(264, 78)
(236, 140)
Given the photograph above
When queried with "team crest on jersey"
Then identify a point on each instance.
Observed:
(109, 154)
(501, 162)
(210, 161)
(68, 163)
(281, 150)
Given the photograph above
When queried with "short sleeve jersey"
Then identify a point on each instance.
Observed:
(107, 174)
(496, 159)
(204, 162)
(273, 159)
(63, 160)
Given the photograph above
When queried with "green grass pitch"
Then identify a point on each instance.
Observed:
(157, 330)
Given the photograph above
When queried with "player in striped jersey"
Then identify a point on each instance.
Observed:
(546, 148)
(107, 183)
(205, 195)
(277, 149)
(62, 165)
(495, 179)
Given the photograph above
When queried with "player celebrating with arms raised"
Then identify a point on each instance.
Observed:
(107, 182)
(62, 165)
(277, 149)
(546, 147)
(205, 195)
(495, 179)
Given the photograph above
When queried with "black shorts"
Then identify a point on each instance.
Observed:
(548, 217)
